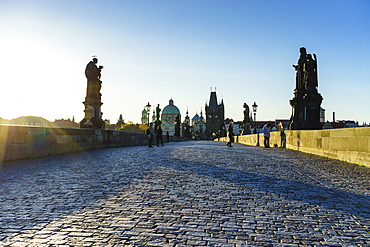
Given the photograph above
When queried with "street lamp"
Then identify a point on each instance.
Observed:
(147, 107)
(254, 106)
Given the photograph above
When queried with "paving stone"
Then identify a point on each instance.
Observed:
(196, 193)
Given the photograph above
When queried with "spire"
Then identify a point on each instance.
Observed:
(187, 114)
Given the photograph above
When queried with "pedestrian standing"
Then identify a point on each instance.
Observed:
(266, 134)
(231, 134)
(150, 133)
(159, 135)
(168, 136)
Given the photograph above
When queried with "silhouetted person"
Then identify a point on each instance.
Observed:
(150, 133)
(282, 139)
(266, 134)
(168, 136)
(159, 135)
(231, 134)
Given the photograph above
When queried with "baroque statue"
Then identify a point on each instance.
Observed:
(93, 74)
(306, 71)
(246, 112)
(306, 103)
(158, 111)
(93, 115)
(246, 120)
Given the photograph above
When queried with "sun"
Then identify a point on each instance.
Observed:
(33, 77)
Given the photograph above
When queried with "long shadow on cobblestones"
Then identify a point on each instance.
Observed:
(37, 191)
(284, 177)
(329, 198)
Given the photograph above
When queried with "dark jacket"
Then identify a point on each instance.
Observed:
(159, 133)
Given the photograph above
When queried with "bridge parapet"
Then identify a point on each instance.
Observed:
(347, 144)
(19, 142)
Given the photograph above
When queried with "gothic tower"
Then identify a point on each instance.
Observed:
(215, 114)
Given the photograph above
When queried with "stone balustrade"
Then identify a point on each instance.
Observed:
(347, 144)
(19, 142)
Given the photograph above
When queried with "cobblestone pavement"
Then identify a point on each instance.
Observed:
(184, 194)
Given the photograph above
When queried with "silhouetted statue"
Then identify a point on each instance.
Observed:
(93, 119)
(299, 68)
(93, 74)
(306, 102)
(246, 112)
(246, 120)
(158, 110)
(310, 73)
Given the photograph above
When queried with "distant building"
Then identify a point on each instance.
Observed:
(31, 121)
(199, 126)
(120, 121)
(168, 118)
(322, 115)
(186, 127)
(65, 123)
(144, 117)
(344, 124)
(215, 115)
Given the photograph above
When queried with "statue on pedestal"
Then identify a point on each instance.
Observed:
(157, 122)
(93, 97)
(306, 102)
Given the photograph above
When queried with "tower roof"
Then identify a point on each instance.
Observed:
(196, 117)
(213, 100)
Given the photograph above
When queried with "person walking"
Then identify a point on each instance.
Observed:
(150, 133)
(159, 135)
(266, 134)
(231, 134)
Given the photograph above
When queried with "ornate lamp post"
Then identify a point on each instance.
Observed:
(254, 106)
(147, 107)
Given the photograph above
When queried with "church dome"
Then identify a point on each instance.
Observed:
(144, 111)
(171, 109)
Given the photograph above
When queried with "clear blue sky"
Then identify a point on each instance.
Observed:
(157, 50)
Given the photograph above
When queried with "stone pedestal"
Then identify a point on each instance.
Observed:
(93, 116)
(246, 127)
(305, 111)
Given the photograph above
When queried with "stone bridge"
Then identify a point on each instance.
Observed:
(196, 193)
